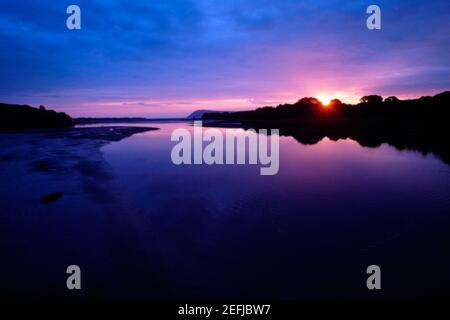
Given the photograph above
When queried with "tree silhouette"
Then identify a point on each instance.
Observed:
(372, 99)
(391, 99)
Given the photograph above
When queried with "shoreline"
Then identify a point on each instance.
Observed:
(60, 153)
(62, 204)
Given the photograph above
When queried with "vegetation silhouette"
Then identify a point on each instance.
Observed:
(417, 124)
(15, 117)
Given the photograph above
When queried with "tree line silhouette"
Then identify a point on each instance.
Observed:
(417, 124)
(370, 107)
(14, 117)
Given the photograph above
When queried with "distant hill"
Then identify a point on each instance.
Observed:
(15, 117)
(198, 115)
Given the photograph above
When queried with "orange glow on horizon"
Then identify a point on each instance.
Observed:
(324, 99)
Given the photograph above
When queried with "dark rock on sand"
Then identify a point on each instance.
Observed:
(52, 197)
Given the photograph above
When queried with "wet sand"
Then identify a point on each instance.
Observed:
(60, 205)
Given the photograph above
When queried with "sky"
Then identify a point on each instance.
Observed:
(167, 58)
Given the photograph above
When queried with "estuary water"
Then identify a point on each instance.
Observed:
(139, 226)
(310, 231)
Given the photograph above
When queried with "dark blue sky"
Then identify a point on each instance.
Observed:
(169, 57)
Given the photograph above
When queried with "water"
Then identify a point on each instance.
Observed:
(142, 227)
(310, 231)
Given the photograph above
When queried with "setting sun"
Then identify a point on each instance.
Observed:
(324, 99)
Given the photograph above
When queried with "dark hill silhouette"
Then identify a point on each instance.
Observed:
(196, 115)
(418, 124)
(14, 117)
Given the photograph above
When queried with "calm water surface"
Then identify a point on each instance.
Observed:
(310, 231)
(142, 227)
